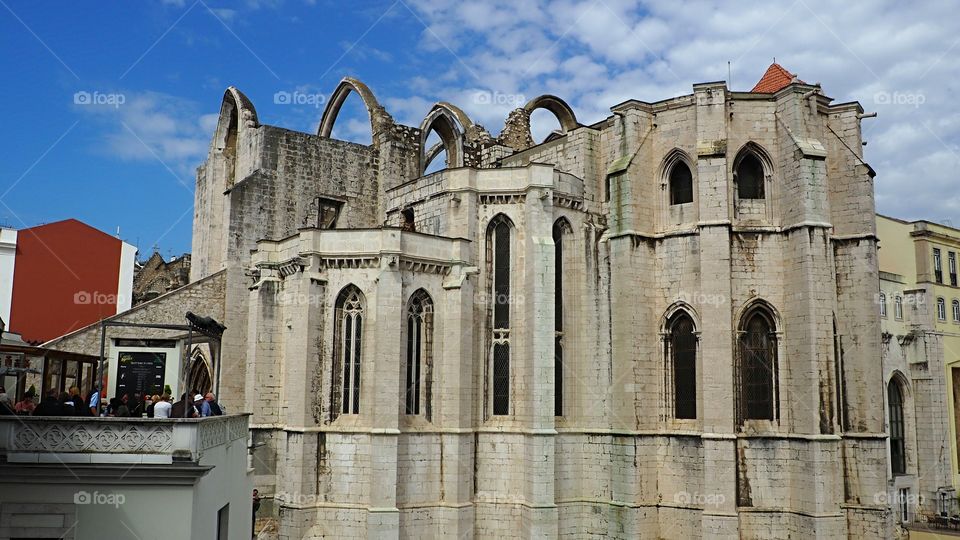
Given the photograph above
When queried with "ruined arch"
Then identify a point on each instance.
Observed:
(376, 112)
(236, 113)
(557, 106)
(200, 373)
(444, 122)
(676, 308)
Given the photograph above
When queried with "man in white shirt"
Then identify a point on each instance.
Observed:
(161, 409)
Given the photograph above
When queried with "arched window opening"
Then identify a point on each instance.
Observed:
(544, 124)
(758, 366)
(681, 184)
(435, 158)
(348, 340)
(200, 379)
(498, 257)
(898, 454)
(898, 307)
(353, 121)
(941, 309)
(956, 310)
(682, 345)
(419, 351)
(749, 177)
(882, 299)
(560, 228)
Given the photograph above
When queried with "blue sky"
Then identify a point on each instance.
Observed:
(157, 70)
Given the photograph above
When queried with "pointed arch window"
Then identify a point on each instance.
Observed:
(749, 177)
(419, 352)
(682, 355)
(498, 259)
(898, 454)
(560, 229)
(348, 340)
(758, 366)
(681, 183)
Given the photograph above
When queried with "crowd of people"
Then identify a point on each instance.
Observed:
(72, 403)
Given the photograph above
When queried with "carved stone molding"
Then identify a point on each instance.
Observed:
(94, 437)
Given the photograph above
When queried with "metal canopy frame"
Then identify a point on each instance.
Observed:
(203, 326)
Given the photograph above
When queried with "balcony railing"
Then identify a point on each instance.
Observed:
(36, 439)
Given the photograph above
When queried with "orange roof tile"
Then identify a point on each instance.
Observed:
(775, 79)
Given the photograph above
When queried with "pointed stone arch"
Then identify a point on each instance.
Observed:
(443, 121)
(379, 118)
(236, 114)
(557, 106)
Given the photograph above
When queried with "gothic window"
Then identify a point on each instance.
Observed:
(348, 338)
(758, 366)
(898, 454)
(682, 344)
(498, 258)
(883, 304)
(749, 177)
(419, 349)
(560, 228)
(941, 309)
(681, 184)
(898, 307)
(956, 310)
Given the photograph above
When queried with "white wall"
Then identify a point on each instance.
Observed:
(128, 255)
(8, 252)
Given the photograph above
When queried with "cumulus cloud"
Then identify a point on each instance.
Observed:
(898, 59)
(150, 126)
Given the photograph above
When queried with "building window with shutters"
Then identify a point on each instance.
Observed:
(937, 266)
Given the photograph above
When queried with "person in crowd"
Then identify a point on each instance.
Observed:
(27, 405)
(198, 402)
(210, 406)
(49, 405)
(79, 406)
(162, 408)
(139, 406)
(93, 402)
(154, 399)
(183, 408)
(66, 405)
(256, 507)
(6, 405)
(118, 408)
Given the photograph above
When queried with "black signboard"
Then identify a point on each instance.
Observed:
(140, 373)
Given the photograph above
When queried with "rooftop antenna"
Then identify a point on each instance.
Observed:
(729, 76)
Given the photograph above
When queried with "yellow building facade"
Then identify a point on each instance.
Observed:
(919, 306)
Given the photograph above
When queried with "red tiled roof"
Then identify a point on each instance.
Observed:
(775, 79)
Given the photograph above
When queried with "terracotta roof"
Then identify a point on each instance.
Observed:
(775, 79)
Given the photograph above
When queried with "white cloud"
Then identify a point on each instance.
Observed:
(151, 126)
(899, 59)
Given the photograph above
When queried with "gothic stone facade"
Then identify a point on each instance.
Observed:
(627, 330)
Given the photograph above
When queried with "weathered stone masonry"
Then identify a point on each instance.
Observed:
(618, 461)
